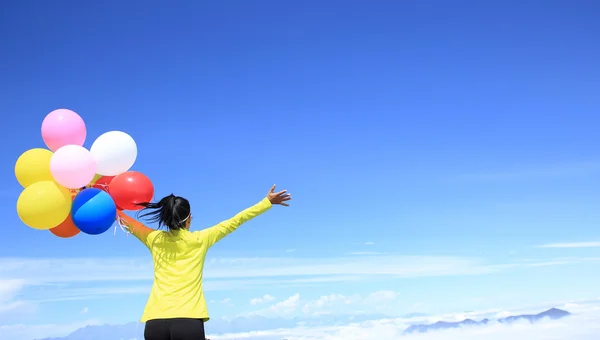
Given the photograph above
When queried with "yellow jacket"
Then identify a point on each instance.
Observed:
(178, 263)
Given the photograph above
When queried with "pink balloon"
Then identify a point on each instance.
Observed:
(73, 166)
(63, 127)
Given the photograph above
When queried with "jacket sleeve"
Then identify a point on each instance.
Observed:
(140, 231)
(214, 234)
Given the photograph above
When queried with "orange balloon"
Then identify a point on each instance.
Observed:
(66, 229)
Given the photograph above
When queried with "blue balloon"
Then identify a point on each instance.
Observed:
(93, 211)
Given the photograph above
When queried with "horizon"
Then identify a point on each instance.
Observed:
(442, 158)
(521, 324)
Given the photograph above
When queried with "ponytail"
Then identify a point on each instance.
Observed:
(171, 211)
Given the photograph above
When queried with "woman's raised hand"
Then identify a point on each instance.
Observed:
(279, 197)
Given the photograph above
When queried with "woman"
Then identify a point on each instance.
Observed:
(176, 308)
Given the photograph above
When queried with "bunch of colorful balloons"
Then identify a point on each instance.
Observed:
(69, 189)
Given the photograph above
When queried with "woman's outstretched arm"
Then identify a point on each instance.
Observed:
(214, 234)
(135, 227)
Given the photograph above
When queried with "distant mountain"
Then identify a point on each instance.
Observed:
(128, 331)
(135, 330)
(550, 313)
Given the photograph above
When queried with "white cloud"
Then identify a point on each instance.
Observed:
(290, 250)
(85, 310)
(369, 243)
(283, 308)
(26, 332)
(327, 304)
(363, 253)
(10, 288)
(330, 304)
(14, 306)
(263, 299)
(583, 325)
(286, 306)
(9, 291)
(571, 245)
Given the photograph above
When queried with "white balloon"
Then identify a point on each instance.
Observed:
(114, 152)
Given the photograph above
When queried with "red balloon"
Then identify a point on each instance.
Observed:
(103, 183)
(66, 229)
(130, 188)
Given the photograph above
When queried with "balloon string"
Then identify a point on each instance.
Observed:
(124, 227)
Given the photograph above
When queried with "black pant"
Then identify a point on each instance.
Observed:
(174, 329)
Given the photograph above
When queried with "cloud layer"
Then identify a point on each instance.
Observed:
(583, 325)
(571, 245)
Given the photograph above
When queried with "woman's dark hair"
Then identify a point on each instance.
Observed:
(171, 211)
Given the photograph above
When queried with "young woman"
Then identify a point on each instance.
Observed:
(176, 308)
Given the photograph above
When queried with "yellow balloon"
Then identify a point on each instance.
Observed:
(44, 205)
(33, 166)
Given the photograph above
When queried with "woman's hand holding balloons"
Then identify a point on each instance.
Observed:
(279, 197)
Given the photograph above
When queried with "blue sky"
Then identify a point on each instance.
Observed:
(431, 148)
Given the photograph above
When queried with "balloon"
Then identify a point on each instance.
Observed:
(44, 205)
(33, 166)
(66, 229)
(93, 211)
(63, 127)
(130, 188)
(103, 182)
(115, 152)
(72, 166)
